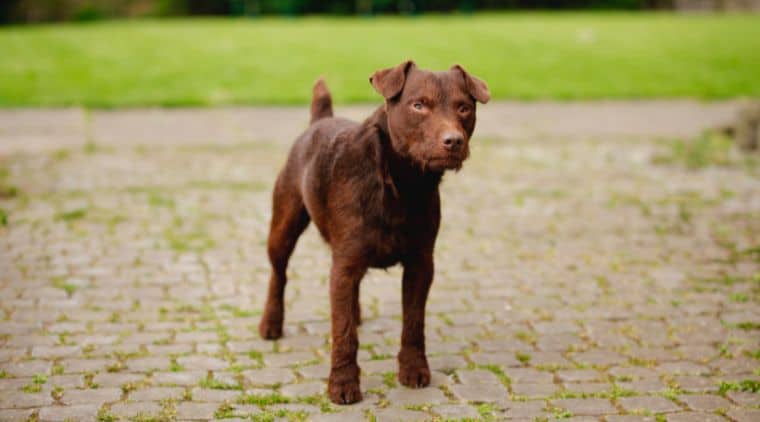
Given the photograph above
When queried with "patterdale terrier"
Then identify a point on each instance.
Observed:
(371, 188)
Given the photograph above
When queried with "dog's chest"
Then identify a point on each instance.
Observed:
(394, 232)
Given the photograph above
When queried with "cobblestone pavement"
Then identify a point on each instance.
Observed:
(579, 279)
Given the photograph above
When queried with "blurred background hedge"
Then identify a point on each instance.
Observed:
(19, 11)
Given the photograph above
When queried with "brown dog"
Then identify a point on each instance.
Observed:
(372, 190)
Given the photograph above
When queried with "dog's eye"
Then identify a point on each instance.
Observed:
(418, 105)
(464, 109)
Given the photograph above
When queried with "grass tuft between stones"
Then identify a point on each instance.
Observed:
(747, 385)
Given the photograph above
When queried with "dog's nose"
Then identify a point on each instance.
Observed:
(453, 141)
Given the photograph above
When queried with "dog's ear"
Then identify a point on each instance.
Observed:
(476, 87)
(389, 82)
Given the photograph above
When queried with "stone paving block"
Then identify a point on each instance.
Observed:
(269, 376)
(96, 396)
(558, 342)
(50, 352)
(479, 392)
(214, 396)
(534, 390)
(196, 337)
(697, 352)
(248, 346)
(94, 340)
(629, 418)
(734, 366)
(646, 385)
(304, 389)
(170, 349)
(529, 375)
(632, 372)
(66, 381)
(683, 368)
(287, 359)
(743, 414)
(697, 384)
(301, 342)
(199, 363)
(549, 358)
(133, 409)
(455, 411)
(703, 402)
(744, 398)
(556, 327)
(196, 411)
(27, 368)
(318, 371)
(446, 348)
(148, 364)
(407, 396)
(584, 407)
(587, 387)
(80, 412)
(156, 394)
(654, 354)
(184, 378)
(526, 410)
(654, 404)
(477, 376)
(500, 359)
(15, 415)
(446, 363)
(499, 345)
(107, 379)
(14, 383)
(80, 366)
(372, 382)
(579, 375)
(694, 417)
(21, 400)
(349, 415)
(380, 366)
(599, 357)
(395, 415)
(295, 407)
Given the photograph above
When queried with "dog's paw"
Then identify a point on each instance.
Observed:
(414, 376)
(270, 329)
(343, 385)
(413, 369)
(346, 392)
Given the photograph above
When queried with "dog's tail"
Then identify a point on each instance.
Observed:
(321, 101)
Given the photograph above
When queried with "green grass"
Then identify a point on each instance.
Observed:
(215, 384)
(706, 150)
(751, 386)
(274, 60)
(264, 400)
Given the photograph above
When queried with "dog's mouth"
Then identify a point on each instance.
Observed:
(448, 162)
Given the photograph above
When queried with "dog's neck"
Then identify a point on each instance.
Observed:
(406, 175)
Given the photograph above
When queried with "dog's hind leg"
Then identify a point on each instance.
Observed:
(289, 220)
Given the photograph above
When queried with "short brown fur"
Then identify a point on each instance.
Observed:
(371, 189)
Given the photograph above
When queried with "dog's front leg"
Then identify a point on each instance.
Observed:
(413, 367)
(343, 385)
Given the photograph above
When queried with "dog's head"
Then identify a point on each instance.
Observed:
(431, 115)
